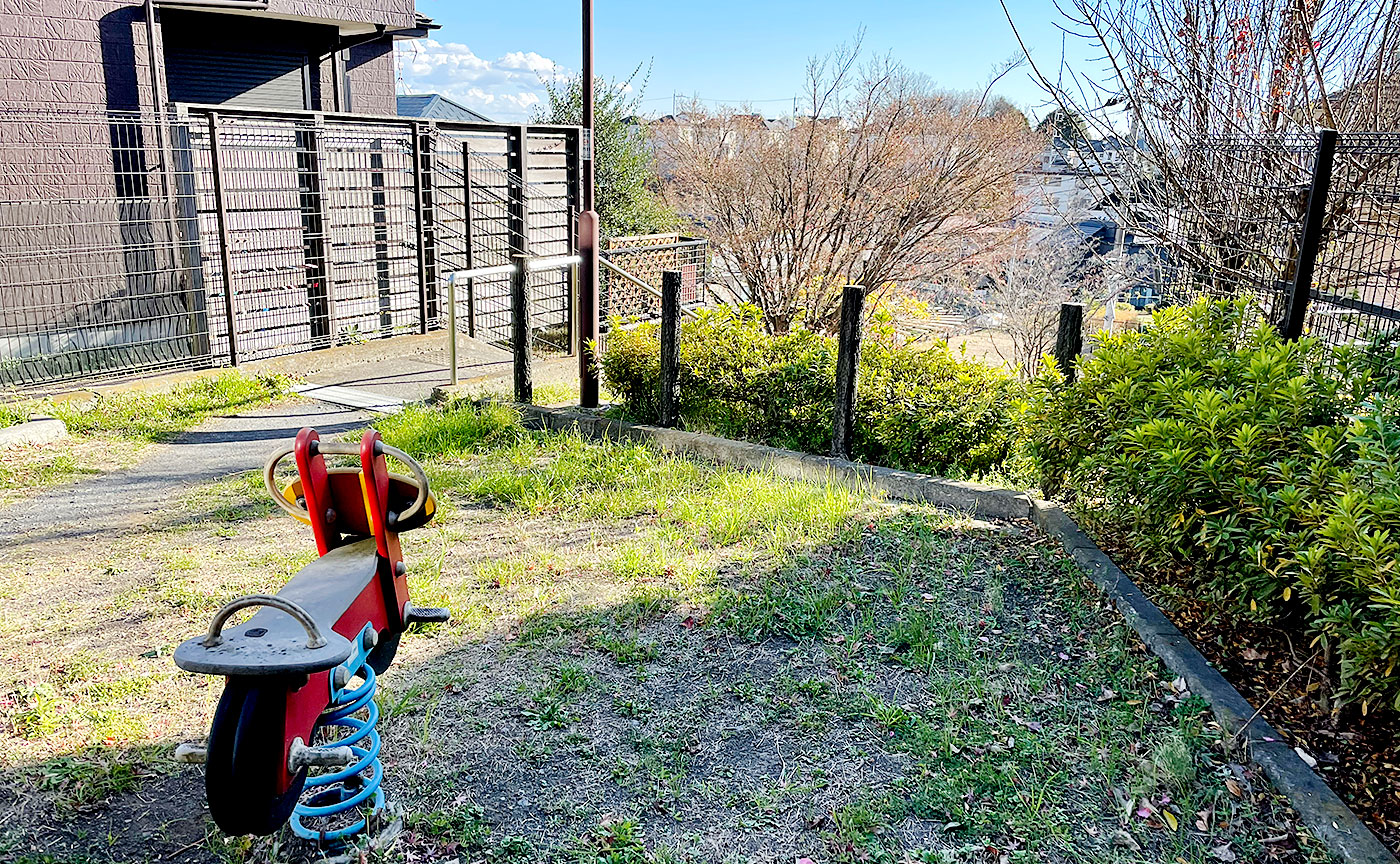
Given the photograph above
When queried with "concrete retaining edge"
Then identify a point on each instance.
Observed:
(40, 430)
(1321, 810)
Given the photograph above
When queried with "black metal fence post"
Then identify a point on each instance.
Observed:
(669, 414)
(315, 229)
(468, 253)
(380, 218)
(187, 212)
(1296, 312)
(847, 371)
(521, 317)
(216, 168)
(521, 329)
(424, 158)
(517, 168)
(1069, 340)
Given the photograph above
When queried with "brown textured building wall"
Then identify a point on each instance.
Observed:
(91, 54)
(80, 54)
(371, 70)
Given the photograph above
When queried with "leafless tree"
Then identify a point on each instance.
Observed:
(1218, 102)
(884, 181)
(1027, 286)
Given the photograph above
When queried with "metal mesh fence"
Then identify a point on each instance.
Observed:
(493, 232)
(97, 268)
(1235, 219)
(131, 244)
(1356, 287)
(632, 290)
(1234, 227)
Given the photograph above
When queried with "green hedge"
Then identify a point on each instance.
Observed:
(1264, 470)
(921, 409)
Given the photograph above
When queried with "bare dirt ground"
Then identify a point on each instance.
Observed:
(649, 661)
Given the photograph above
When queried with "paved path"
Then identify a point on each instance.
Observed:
(385, 371)
(117, 502)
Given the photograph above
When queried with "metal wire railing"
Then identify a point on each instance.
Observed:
(97, 267)
(1356, 287)
(133, 243)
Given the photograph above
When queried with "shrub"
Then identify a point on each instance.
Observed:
(918, 409)
(1206, 440)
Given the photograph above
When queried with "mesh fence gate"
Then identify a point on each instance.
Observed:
(260, 234)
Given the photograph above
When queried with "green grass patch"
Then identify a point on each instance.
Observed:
(542, 472)
(107, 432)
(161, 416)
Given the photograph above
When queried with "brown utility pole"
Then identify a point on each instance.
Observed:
(587, 233)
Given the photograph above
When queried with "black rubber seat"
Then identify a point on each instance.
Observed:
(272, 642)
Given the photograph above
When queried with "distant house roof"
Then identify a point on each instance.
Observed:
(437, 107)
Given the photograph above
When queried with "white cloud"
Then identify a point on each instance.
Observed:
(506, 88)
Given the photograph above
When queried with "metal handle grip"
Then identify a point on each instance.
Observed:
(337, 448)
(270, 481)
(314, 639)
(420, 478)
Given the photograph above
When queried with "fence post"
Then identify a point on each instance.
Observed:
(315, 229)
(424, 136)
(380, 220)
(517, 166)
(452, 328)
(847, 370)
(588, 308)
(216, 166)
(521, 328)
(1069, 341)
(1301, 291)
(521, 323)
(468, 252)
(670, 349)
(182, 154)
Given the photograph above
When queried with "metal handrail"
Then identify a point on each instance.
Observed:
(531, 265)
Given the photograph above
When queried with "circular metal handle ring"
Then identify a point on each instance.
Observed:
(270, 481)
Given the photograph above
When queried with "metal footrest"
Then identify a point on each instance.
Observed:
(426, 614)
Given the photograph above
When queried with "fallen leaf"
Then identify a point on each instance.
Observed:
(1306, 757)
(1171, 819)
(1234, 788)
(1223, 853)
(1124, 839)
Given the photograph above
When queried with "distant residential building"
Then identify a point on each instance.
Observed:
(1070, 192)
(435, 106)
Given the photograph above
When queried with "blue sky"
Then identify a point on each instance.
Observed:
(492, 57)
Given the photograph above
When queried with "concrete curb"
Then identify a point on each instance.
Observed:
(40, 430)
(1325, 814)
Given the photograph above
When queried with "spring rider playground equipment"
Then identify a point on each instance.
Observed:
(293, 738)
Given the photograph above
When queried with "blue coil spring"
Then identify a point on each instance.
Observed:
(329, 795)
